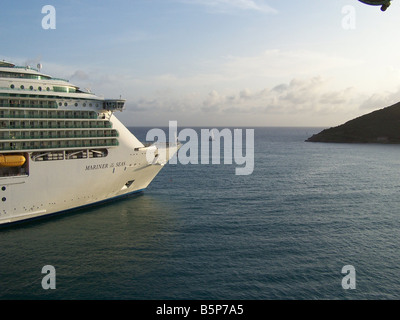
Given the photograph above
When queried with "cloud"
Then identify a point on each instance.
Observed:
(336, 97)
(380, 100)
(306, 97)
(260, 88)
(226, 6)
(310, 95)
(79, 75)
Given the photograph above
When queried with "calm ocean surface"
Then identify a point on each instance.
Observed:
(201, 232)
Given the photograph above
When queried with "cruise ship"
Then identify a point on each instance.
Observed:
(63, 148)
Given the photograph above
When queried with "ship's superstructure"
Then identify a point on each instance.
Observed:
(63, 148)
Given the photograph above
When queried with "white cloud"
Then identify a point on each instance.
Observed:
(311, 95)
(302, 98)
(380, 100)
(263, 88)
(299, 102)
(80, 75)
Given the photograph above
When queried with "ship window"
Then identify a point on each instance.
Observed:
(60, 89)
(22, 86)
(76, 104)
(48, 89)
(98, 153)
(76, 154)
(31, 87)
(12, 86)
(47, 156)
(40, 88)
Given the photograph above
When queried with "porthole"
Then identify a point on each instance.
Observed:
(3, 188)
(60, 104)
(65, 104)
(76, 104)
(84, 104)
(40, 88)
(48, 88)
(4, 199)
(31, 87)
(12, 86)
(22, 87)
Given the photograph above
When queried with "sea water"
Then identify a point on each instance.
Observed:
(201, 232)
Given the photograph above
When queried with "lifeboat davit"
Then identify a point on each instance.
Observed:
(15, 160)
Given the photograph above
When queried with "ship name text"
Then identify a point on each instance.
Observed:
(104, 166)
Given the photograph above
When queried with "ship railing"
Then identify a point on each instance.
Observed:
(64, 136)
(55, 126)
(19, 147)
(48, 116)
(36, 106)
(26, 68)
(59, 79)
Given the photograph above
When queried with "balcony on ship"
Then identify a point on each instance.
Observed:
(113, 104)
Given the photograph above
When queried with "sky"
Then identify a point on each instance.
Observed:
(224, 63)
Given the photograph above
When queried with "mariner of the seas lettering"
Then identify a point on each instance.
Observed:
(105, 166)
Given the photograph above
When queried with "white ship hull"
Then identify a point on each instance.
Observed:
(57, 186)
(62, 148)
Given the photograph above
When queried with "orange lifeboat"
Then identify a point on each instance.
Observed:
(15, 160)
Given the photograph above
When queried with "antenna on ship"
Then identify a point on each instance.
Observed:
(39, 66)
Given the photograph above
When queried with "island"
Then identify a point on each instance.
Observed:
(380, 126)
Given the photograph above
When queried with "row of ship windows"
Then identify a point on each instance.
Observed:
(76, 104)
(11, 103)
(69, 154)
(41, 104)
(72, 124)
(55, 88)
(23, 76)
(57, 144)
(49, 114)
(22, 87)
(59, 134)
